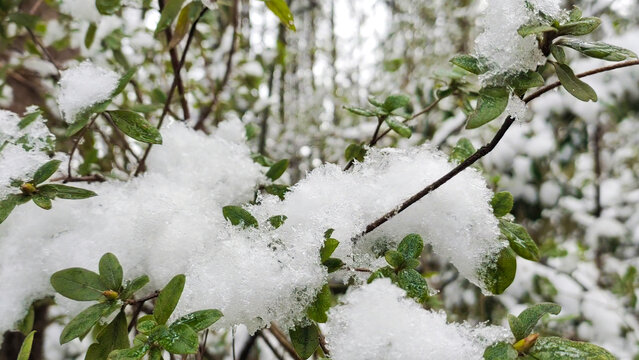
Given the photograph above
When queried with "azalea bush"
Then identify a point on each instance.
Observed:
(244, 187)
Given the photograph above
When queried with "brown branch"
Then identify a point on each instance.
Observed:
(176, 68)
(281, 338)
(88, 178)
(227, 74)
(270, 346)
(169, 97)
(46, 52)
(483, 151)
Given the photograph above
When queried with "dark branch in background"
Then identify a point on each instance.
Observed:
(169, 97)
(176, 68)
(376, 138)
(227, 74)
(483, 151)
(597, 155)
(270, 346)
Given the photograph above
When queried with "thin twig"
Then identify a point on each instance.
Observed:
(270, 346)
(481, 152)
(169, 97)
(227, 74)
(322, 343)
(281, 338)
(75, 145)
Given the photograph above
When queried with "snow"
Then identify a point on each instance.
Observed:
(81, 10)
(170, 221)
(377, 322)
(24, 149)
(348, 201)
(506, 52)
(84, 85)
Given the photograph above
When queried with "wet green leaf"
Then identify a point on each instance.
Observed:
(502, 203)
(78, 284)
(580, 27)
(317, 310)
(573, 85)
(598, 50)
(200, 320)
(111, 273)
(168, 299)
(468, 63)
(45, 171)
(398, 127)
(411, 246)
(85, 320)
(281, 10)
(136, 126)
(238, 216)
(519, 240)
(277, 170)
(305, 340)
(492, 102)
(169, 13)
(522, 325)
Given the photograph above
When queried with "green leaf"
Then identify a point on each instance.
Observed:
(305, 340)
(24, 19)
(42, 201)
(580, 27)
(277, 220)
(238, 216)
(155, 353)
(468, 63)
(558, 53)
(187, 16)
(90, 35)
(6, 207)
(136, 126)
(462, 151)
(281, 10)
(131, 287)
(500, 351)
(573, 85)
(113, 337)
(45, 171)
(85, 320)
(497, 275)
(526, 80)
(598, 50)
(394, 258)
(528, 318)
(277, 170)
(328, 248)
(399, 127)
(575, 13)
(168, 299)
(360, 111)
(25, 325)
(317, 310)
(411, 246)
(333, 264)
(200, 320)
(83, 117)
(414, 284)
(548, 348)
(385, 272)
(107, 7)
(411, 263)
(124, 80)
(111, 273)
(534, 29)
(277, 190)
(146, 324)
(492, 102)
(28, 119)
(179, 339)
(502, 203)
(394, 102)
(355, 152)
(134, 353)
(519, 240)
(78, 284)
(66, 192)
(169, 12)
(25, 349)
(393, 65)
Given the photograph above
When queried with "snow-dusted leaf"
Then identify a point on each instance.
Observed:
(200, 320)
(500, 351)
(492, 102)
(84, 321)
(582, 26)
(553, 348)
(398, 127)
(45, 171)
(528, 318)
(468, 63)
(598, 49)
